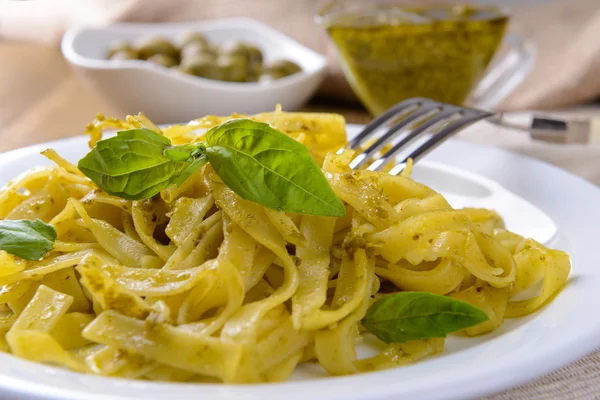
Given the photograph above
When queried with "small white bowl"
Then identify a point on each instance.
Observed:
(167, 96)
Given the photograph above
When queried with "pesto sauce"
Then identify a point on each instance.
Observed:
(391, 54)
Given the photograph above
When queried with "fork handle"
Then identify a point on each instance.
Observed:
(547, 128)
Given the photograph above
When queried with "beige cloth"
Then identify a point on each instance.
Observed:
(567, 71)
(578, 381)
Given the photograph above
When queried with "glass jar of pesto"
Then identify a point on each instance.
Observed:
(390, 53)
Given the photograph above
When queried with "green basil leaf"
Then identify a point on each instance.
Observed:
(185, 152)
(132, 165)
(419, 315)
(178, 153)
(192, 169)
(27, 239)
(268, 167)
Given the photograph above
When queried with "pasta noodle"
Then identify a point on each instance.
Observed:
(199, 285)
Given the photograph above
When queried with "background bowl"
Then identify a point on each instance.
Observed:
(167, 96)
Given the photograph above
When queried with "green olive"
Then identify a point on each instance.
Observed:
(124, 55)
(116, 46)
(163, 59)
(281, 68)
(232, 48)
(254, 54)
(201, 65)
(148, 46)
(255, 59)
(191, 37)
(197, 48)
(234, 67)
(269, 76)
(252, 77)
(254, 71)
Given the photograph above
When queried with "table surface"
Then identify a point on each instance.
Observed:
(42, 100)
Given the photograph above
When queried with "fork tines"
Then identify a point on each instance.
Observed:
(416, 116)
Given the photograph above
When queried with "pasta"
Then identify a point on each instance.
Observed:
(197, 284)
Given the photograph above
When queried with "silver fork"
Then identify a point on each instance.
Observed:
(418, 116)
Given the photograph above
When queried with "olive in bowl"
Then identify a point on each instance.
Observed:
(201, 65)
(191, 37)
(197, 48)
(163, 59)
(126, 54)
(279, 69)
(193, 54)
(148, 46)
(234, 67)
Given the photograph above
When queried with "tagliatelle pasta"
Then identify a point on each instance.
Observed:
(197, 284)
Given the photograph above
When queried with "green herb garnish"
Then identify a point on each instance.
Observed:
(256, 161)
(264, 165)
(419, 315)
(134, 165)
(27, 239)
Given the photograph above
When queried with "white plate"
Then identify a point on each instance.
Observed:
(519, 351)
(169, 96)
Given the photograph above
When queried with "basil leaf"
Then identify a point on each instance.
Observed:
(185, 152)
(192, 169)
(192, 152)
(27, 239)
(268, 167)
(419, 315)
(178, 154)
(132, 165)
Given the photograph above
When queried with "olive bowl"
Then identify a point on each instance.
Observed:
(167, 95)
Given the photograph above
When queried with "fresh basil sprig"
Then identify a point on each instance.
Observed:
(256, 161)
(27, 239)
(264, 165)
(136, 164)
(406, 316)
